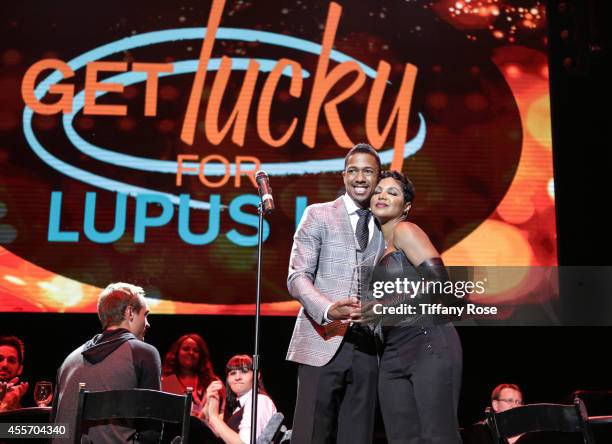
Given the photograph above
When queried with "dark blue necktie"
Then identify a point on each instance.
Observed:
(362, 231)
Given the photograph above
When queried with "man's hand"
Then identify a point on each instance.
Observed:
(341, 310)
(11, 393)
(4, 387)
(365, 314)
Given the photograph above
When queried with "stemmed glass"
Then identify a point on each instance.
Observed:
(43, 393)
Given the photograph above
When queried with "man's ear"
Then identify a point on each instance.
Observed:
(20, 370)
(129, 313)
(495, 405)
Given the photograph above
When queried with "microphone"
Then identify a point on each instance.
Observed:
(265, 191)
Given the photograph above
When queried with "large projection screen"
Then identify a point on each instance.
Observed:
(130, 133)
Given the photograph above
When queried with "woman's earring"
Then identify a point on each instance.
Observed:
(405, 213)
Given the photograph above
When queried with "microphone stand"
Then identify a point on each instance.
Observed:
(255, 387)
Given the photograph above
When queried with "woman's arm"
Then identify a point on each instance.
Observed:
(223, 431)
(213, 406)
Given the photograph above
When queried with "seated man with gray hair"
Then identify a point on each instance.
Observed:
(115, 359)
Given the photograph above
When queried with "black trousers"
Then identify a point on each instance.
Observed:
(336, 403)
(419, 383)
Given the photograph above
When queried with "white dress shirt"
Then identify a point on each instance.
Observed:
(265, 410)
(351, 208)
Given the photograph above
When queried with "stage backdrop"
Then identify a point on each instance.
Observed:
(131, 131)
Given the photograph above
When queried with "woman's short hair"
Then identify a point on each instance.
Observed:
(407, 186)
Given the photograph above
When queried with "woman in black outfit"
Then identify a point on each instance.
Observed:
(420, 367)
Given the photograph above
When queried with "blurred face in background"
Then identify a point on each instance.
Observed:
(189, 355)
(508, 399)
(9, 363)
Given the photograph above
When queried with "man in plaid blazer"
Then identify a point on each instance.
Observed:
(334, 249)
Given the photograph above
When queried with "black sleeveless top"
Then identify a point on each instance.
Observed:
(393, 266)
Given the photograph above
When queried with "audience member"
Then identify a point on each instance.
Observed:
(230, 418)
(504, 397)
(187, 364)
(118, 358)
(11, 366)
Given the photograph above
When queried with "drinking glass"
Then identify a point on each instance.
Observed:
(43, 393)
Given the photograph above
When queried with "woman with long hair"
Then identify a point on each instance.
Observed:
(188, 364)
(229, 415)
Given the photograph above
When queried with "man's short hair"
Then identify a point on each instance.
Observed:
(363, 148)
(17, 344)
(113, 301)
(497, 390)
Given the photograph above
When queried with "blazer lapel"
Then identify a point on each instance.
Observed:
(344, 223)
(375, 246)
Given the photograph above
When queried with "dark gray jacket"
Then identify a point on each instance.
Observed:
(114, 359)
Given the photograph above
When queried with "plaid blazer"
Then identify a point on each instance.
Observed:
(325, 266)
